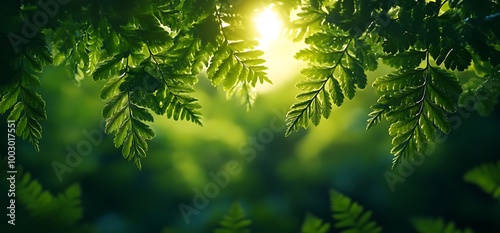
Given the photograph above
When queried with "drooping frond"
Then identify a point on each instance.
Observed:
(337, 64)
(235, 63)
(126, 119)
(20, 94)
(415, 101)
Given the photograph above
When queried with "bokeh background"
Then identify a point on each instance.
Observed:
(288, 178)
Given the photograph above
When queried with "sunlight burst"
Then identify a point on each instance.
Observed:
(269, 26)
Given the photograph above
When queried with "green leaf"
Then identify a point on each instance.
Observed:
(141, 113)
(405, 60)
(110, 67)
(454, 57)
(9, 99)
(111, 87)
(181, 107)
(376, 115)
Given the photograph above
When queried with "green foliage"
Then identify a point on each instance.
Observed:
(150, 54)
(234, 221)
(45, 206)
(486, 176)
(425, 41)
(19, 95)
(235, 64)
(425, 225)
(310, 17)
(312, 224)
(349, 216)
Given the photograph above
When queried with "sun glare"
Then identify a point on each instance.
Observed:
(269, 26)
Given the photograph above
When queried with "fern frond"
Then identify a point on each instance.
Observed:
(337, 64)
(124, 116)
(415, 101)
(312, 224)
(235, 63)
(127, 119)
(427, 225)
(350, 216)
(28, 106)
(486, 176)
(234, 221)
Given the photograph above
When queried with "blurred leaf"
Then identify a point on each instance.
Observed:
(313, 224)
(350, 216)
(482, 93)
(234, 221)
(425, 225)
(486, 176)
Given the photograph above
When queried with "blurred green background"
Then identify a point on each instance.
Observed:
(287, 178)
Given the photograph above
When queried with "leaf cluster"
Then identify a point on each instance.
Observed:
(149, 56)
(425, 42)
